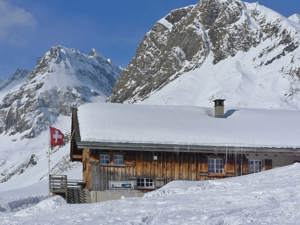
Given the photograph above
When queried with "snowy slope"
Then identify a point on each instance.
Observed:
(13, 82)
(268, 198)
(244, 52)
(24, 162)
(239, 80)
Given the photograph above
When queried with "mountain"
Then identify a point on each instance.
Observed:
(295, 18)
(14, 80)
(62, 78)
(32, 101)
(17, 77)
(243, 52)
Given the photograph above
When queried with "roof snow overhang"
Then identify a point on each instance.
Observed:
(153, 147)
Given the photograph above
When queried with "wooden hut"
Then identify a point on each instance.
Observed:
(143, 147)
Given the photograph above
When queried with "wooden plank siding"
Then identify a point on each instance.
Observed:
(169, 166)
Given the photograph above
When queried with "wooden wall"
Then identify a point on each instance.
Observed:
(168, 166)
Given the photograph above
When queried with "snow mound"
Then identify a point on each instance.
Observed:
(50, 204)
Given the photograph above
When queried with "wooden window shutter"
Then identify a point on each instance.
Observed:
(268, 164)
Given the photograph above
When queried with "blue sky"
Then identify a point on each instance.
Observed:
(28, 28)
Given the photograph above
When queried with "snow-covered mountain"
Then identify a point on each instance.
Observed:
(295, 18)
(62, 78)
(18, 77)
(243, 52)
(13, 82)
(31, 101)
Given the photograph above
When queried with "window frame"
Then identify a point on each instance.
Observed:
(108, 160)
(145, 183)
(116, 161)
(256, 163)
(215, 165)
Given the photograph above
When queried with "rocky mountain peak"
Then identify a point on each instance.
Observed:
(55, 56)
(59, 53)
(93, 53)
(215, 12)
(62, 78)
(218, 12)
(212, 31)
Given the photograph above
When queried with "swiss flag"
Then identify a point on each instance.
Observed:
(56, 137)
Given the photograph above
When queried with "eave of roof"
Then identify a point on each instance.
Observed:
(152, 147)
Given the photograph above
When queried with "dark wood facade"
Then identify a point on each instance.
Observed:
(161, 167)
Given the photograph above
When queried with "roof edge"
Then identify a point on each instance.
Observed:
(119, 146)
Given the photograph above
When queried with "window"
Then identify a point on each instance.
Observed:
(145, 183)
(215, 165)
(118, 159)
(104, 158)
(255, 166)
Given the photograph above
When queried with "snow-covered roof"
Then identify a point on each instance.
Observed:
(188, 125)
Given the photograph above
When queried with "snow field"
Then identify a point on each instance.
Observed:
(270, 197)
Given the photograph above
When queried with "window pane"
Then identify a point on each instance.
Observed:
(104, 158)
(145, 183)
(118, 159)
(255, 166)
(211, 165)
(215, 165)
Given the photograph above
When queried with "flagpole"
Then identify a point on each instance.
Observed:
(56, 139)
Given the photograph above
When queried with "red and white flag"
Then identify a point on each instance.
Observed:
(56, 137)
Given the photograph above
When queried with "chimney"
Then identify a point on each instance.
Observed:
(219, 108)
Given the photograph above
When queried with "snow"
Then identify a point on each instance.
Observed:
(23, 184)
(265, 76)
(166, 23)
(245, 83)
(295, 18)
(77, 69)
(188, 125)
(16, 152)
(270, 197)
(13, 83)
(17, 199)
(23, 161)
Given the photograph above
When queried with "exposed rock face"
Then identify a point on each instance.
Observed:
(62, 78)
(184, 39)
